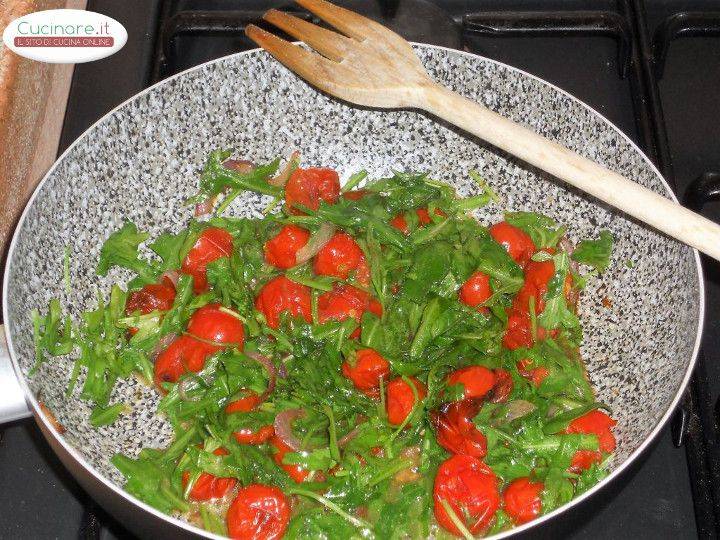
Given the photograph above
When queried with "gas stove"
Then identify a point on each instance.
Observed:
(651, 67)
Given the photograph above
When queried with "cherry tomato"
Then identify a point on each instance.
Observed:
(536, 375)
(281, 250)
(346, 301)
(296, 472)
(583, 459)
(456, 431)
(248, 436)
(182, 355)
(156, 296)
(470, 488)
(355, 195)
(598, 423)
(522, 500)
(207, 486)
(365, 373)
(424, 216)
(503, 386)
(475, 290)
(515, 241)
(211, 323)
(309, 186)
(281, 294)
(400, 399)
(477, 380)
(259, 512)
(537, 277)
(244, 404)
(340, 256)
(212, 244)
(518, 332)
(400, 223)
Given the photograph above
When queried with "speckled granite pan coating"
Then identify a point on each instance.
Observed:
(142, 161)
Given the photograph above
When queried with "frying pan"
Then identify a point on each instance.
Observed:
(643, 318)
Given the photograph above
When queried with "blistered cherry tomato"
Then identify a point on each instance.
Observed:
(518, 332)
(536, 375)
(456, 431)
(537, 276)
(401, 224)
(281, 250)
(476, 380)
(212, 244)
(521, 500)
(583, 459)
(296, 472)
(207, 486)
(244, 404)
(366, 371)
(156, 296)
(211, 323)
(503, 386)
(470, 488)
(259, 512)
(475, 290)
(182, 355)
(515, 241)
(400, 399)
(356, 194)
(598, 423)
(346, 301)
(424, 216)
(339, 257)
(259, 436)
(281, 294)
(309, 186)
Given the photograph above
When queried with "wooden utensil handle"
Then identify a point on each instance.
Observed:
(612, 188)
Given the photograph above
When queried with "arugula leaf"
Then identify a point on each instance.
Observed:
(216, 178)
(121, 249)
(169, 247)
(51, 334)
(102, 416)
(556, 312)
(595, 253)
(316, 524)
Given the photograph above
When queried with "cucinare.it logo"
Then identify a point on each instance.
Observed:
(65, 36)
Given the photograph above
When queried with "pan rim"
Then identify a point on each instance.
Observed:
(35, 409)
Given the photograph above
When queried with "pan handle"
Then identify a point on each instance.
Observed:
(12, 398)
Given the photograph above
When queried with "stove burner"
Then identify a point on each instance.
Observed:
(415, 20)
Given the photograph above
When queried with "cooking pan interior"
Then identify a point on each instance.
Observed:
(142, 161)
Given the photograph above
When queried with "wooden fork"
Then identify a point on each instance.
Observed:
(367, 64)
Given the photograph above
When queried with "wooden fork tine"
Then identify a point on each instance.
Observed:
(326, 42)
(348, 22)
(309, 65)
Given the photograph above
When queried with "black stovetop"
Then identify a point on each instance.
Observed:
(652, 68)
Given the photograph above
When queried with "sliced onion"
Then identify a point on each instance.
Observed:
(162, 344)
(239, 165)
(172, 275)
(283, 176)
(283, 427)
(515, 409)
(269, 366)
(317, 241)
(349, 436)
(568, 248)
(204, 208)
